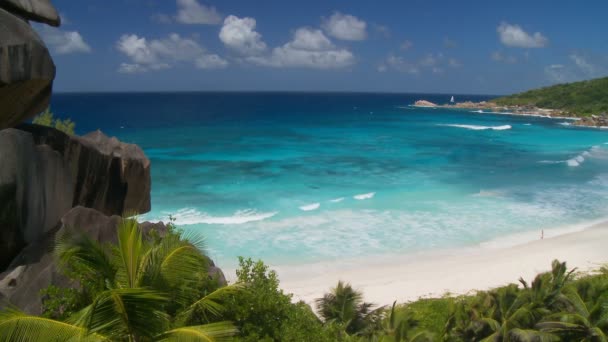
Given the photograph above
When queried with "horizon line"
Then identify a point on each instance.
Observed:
(271, 91)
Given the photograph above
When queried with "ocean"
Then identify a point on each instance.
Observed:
(303, 178)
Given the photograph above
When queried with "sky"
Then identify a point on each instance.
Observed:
(425, 46)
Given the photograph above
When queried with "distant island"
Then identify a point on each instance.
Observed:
(587, 101)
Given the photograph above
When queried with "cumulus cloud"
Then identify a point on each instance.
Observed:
(579, 66)
(158, 54)
(309, 48)
(515, 36)
(345, 27)
(63, 42)
(435, 63)
(239, 34)
(498, 56)
(192, 12)
(210, 62)
(399, 64)
(585, 66)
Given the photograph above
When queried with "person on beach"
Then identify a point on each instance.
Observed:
(542, 234)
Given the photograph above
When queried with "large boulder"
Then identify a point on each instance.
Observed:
(35, 268)
(26, 70)
(45, 172)
(35, 10)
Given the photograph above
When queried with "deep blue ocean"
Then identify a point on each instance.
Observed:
(303, 178)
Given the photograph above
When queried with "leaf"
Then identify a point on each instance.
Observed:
(221, 331)
(124, 312)
(80, 254)
(528, 335)
(131, 251)
(211, 303)
(17, 326)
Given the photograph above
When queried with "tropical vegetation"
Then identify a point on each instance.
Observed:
(47, 118)
(578, 98)
(147, 287)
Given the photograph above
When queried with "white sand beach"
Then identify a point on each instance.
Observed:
(432, 274)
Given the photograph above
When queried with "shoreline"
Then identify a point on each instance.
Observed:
(480, 108)
(428, 274)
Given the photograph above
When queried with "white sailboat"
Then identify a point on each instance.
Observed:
(452, 99)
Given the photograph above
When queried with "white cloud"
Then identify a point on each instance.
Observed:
(400, 64)
(515, 36)
(63, 42)
(584, 65)
(498, 56)
(309, 48)
(129, 68)
(345, 27)
(210, 62)
(192, 12)
(239, 34)
(158, 54)
(580, 67)
(435, 63)
(406, 45)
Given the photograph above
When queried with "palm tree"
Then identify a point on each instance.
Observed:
(588, 320)
(506, 315)
(138, 290)
(403, 329)
(345, 306)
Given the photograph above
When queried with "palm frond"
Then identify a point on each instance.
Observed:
(210, 305)
(214, 332)
(80, 254)
(179, 262)
(124, 312)
(528, 335)
(130, 253)
(19, 327)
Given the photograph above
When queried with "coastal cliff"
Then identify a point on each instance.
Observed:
(50, 181)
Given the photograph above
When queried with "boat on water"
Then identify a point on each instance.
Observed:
(452, 100)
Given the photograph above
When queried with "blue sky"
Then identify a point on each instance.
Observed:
(478, 47)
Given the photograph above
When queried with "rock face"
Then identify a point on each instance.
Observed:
(424, 103)
(35, 10)
(34, 269)
(26, 68)
(44, 173)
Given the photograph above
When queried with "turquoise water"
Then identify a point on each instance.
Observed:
(302, 178)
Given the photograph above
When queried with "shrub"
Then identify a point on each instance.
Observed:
(46, 118)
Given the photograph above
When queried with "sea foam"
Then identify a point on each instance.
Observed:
(480, 128)
(336, 200)
(364, 196)
(309, 207)
(188, 216)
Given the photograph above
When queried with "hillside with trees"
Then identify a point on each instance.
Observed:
(579, 98)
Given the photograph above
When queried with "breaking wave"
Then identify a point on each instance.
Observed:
(480, 128)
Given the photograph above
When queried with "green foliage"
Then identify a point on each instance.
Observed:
(265, 313)
(142, 288)
(60, 303)
(345, 306)
(578, 98)
(46, 118)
